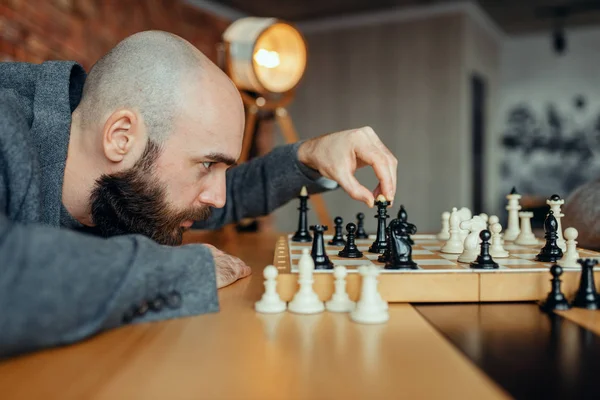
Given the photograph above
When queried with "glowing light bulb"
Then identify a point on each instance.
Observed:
(266, 58)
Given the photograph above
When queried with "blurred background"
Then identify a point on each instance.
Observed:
(473, 98)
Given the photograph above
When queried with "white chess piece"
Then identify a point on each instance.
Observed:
(497, 249)
(571, 255)
(270, 302)
(526, 236)
(485, 217)
(465, 215)
(493, 220)
(445, 232)
(555, 202)
(306, 300)
(340, 301)
(454, 245)
(369, 309)
(471, 245)
(513, 207)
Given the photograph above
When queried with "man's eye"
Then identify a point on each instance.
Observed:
(207, 164)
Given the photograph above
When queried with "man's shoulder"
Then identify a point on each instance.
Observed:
(15, 115)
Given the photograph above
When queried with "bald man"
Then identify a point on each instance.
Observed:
(101, 174)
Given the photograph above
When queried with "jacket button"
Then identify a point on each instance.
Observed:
(142, 309)
(174, 300)
(157, 304)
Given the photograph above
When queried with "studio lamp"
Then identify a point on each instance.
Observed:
(266, 59)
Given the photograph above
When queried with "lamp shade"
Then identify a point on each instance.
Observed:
(265, 54)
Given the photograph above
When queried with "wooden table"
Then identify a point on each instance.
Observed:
(422, 352)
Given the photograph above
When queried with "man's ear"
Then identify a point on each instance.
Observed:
(121, 134)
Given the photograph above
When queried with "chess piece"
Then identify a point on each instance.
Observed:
(513, 207)
(350, 250)
(302, 234)
(484, 260)
(338, 238)
(471, 244)
(493, 219)
(556, 299)
(497, 248)
(526, 237)
(555, 202)
(465, 215)
(571, 255)
(586, 296)
(270, 301)
(360, 223)
(454, 245)
(484, 217)
(383, 258)
(550, 252)
(445, 231)
(318, 248)
(306, 300)
(400, 251)
(403, 217)
(340, 301)
(369, 308)
(380, 243)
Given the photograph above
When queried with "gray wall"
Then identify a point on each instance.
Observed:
(409, 82)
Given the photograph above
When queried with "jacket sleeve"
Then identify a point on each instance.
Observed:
(263, 184)
(60, 286)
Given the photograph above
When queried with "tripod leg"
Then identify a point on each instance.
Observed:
(290, 135)
(249, 131)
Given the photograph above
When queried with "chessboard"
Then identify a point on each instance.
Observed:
(439, 277)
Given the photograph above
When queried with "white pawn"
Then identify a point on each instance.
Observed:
(340, 301)
(445, 232)
(471, 244)
(571, 256)
(454, 245)
(493, 220)
(270, 302)
(369, 309)
(306, 301)
(485, 217)
(497, 249)
(526, 236)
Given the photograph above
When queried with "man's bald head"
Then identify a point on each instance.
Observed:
(145, 72)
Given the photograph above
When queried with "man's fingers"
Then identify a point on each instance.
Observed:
(356, 190)
(383, 170)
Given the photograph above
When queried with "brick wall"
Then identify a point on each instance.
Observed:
(83, 30)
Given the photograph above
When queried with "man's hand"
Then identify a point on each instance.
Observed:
(338, 155)
(228, 268)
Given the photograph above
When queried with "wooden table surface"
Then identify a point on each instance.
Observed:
(422, 352)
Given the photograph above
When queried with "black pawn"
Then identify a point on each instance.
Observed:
(556, 299)
(586, 296)
(484, 260)
(338, 238)
(318, 248)
(350, 251)
(302, 234)
(380, 243)
(360, 222)
(550, 252)
(403, 217)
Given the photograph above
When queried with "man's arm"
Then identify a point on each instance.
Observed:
(60, 286)
(582, 212)
(263, 184)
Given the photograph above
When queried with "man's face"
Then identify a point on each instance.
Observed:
(168, 189)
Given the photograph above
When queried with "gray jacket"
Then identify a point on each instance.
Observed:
(58, 285)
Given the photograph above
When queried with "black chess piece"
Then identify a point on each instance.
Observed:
(350, 250)
(380, 243)
(383, 258)
(514, 190)
(587, 296)
(360, 223)
(302, 234)
(556, 299)
(317, 252)
(338, 237)
(550, 252)
(400, 250)
(484, 260)
(403, 217)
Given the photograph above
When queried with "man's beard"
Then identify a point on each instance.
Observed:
(134, 201)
